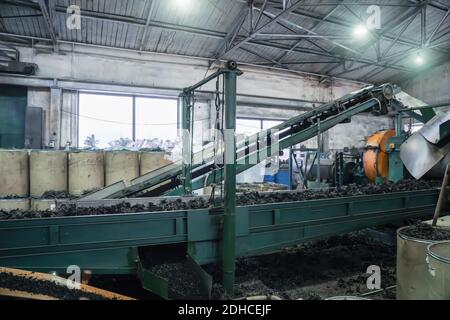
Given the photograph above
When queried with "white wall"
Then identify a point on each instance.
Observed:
(433, 86)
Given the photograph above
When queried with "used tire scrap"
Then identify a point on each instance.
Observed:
(41, 287)
(245, 199)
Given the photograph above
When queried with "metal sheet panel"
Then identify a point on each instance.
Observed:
(432, 129)
(419, 156)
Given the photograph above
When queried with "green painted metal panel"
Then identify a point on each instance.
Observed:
(21, 237)
(41, 243)
(13, 104)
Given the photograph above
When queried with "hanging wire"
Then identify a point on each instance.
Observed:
(192, 107)
(218, 126)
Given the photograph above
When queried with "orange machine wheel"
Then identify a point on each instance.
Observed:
(376, 158)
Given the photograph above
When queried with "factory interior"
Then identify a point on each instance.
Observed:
(231, 150)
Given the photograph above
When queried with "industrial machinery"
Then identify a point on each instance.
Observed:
(138, 243)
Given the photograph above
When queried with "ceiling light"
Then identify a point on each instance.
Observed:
(360, 31)
(419, 59)
(182, 3)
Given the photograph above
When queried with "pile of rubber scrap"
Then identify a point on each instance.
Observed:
(249, 198)
(333, 267)
(427, 232)
(15, 283)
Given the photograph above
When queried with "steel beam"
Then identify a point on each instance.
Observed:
(404, 28)
(149, 19)
(198, 31)
(391, 25)
(229, 218)
(314, 27)
(296, 25)
(48, 10)
(336, 22)
(433, 33)
(186, 137)
(271, 22)
(230, 36)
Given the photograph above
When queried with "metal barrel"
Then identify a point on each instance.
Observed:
(412, 268)
(86, 172)
(14, 173)
(150, 161)
(14, 204)
(48, 172)
(438, 258)
(121, 166)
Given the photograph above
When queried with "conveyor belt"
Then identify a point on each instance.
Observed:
(252, 150)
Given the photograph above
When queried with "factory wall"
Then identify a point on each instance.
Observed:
(76, 67)
(433, 86)
(353, 135)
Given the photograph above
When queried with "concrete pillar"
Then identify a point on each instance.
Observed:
(55, 117)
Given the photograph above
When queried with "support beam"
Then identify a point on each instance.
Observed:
(48, 10)
(230, 36)
(263, 7)
(393, 43)
(314, 27)
(433, 33)
(341, 23)
(187, 139)
(229, 218)
(149, 19)
(296, 25)
(271, 22)
(393, 24)
(423, 26)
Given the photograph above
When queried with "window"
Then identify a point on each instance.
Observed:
(107, 121)
(267, 124)
(247, 127)
(106, 118)
(156, 119)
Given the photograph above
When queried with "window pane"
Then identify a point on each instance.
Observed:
(267, 124)
(108, 118)
(156, 119)
(248, 127)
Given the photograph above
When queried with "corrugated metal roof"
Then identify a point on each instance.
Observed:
(200, 27)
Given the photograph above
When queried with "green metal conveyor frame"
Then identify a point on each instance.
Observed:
(109, 244)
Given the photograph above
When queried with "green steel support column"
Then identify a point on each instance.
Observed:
(290, 168)
(229, 225)
(319, 151)
(186, 136)
(398, 124)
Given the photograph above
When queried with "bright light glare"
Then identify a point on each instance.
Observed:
(419, 60)
(182, 4)
(360, 31)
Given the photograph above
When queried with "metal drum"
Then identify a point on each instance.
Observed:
(121, 165)
(376, 159)
(14, 173)
(86, 172)
(412, 268)
(15, 204)
(48, 172)
(438, 258)
(150, 161)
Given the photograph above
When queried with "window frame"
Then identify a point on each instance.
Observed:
(133, 107)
